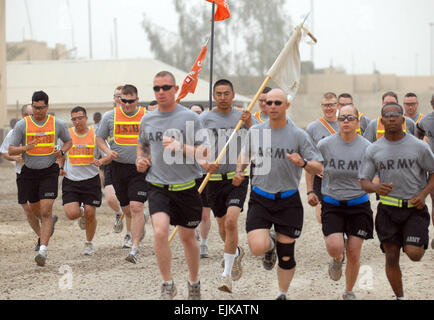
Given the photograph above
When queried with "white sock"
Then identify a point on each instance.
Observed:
(203, 242)
(119, 212)
(129, 233)
(229, 262)
(401, 298)
(170, 282)
(194, 283)
(272, 244)
(279, 293)
(89, 242)
(237, 252)
(43, 248)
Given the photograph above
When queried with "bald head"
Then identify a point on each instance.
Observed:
(26, 110)
(277, 93)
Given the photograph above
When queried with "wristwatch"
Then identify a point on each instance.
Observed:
(305, 163)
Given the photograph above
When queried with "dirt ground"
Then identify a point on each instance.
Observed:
(106, 275)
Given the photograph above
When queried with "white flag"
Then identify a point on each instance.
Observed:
(286, 70)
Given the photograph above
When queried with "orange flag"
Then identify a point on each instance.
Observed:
(222, 12)
(190, 82)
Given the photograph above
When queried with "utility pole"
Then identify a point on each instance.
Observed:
(431, 48)
(3, 83)
(115, 23)
(90, 30)
(312, 30)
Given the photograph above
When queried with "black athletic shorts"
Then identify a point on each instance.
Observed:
(107, 175)
(38, 184)
(203, 195)
(317, 181)
(183, 207)
(402, 226)
(352, 220)
(86, 191)
(22, 196)
(129, 184)
(223, 194)
(285, 214)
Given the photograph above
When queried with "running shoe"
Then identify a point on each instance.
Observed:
(41, 257)
(193, 291)
(237, 270)
(349, 296)
(128, 241)
(335, 270)
(55, 218)
(168, 291)
(88, 248)
(225, 284)
(270, 257)
(133, 255)
(204, 251)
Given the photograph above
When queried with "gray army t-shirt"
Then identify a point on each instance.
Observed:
(273, 172)
(318, 131)
(38, 162)
(181, 124)
(426, 125)
(371, 130)
(127, 154)
(220, 127)
(342, 161)
(405, 163)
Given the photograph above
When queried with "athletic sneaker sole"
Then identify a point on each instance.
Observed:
(130, 258)
(40, 260)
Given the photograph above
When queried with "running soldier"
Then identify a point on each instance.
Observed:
(262, 115)
(81, 183)
(121, 126)
(33, 218)
(425, 128)
(319, 129)
(345, 207)
(403, 164)
(275, 199)
(34, 138)
(411, 104)
(375, 129)
(346, 99)
(169, 135)
(225, 199)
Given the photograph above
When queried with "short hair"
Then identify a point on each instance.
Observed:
(153, 103)
(266, 90)
(354, 108)
(163, 74)
(345, 95)
(129, 89)
(97, 117)
(199, 105)
(78, 109)
(390, 94)
(119, 88)
(40, 96)
(410, 95)
(329, 95)
(401, 109)
(24, 109)
(223, 82)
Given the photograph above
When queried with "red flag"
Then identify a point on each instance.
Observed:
(190, 81)
(222, 12)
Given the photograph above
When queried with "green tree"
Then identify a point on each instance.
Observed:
(245, 44)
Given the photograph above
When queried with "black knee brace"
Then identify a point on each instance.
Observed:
(285, 251)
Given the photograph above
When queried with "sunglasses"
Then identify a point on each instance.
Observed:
(277, 103)
(79, 118)
(393, 114)
(166, 87)
(348, 117)
(129, 101)
(39, 108)
(329, 105)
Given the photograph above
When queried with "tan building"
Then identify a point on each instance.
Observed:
(31, 50)
(89, 83)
